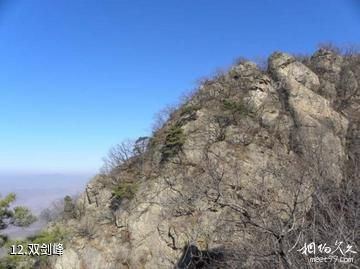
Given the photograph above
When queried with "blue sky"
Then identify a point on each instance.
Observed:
(77, 76)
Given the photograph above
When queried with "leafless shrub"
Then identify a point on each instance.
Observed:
(347, 88)
(262, 63)
(351, 50)
(187, 96)
(162, 117)
(118, 155)
(140, 145)
(86, 228)
(240, 60)
(330, 46)
(56, 210)
(217, 76)
(265, 228)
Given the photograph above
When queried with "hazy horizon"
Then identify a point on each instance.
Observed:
(37, 191)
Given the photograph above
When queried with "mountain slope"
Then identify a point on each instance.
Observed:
(250, 168)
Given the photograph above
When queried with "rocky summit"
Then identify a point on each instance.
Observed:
(252, 167)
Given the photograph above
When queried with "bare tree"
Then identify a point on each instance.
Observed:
(162, 117)
(118, 155)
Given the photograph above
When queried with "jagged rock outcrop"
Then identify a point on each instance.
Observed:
(318, 126)
(245, 157)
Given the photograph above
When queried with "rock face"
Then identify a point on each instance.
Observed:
(319, 126)
(246, 157)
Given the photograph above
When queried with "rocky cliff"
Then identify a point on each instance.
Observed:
(252, 166)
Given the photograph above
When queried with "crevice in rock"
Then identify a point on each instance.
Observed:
(294, 139)
(352, 150)
(194, 258)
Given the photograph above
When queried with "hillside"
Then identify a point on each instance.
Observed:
(252, 166)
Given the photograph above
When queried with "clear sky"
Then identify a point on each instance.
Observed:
(77, 76)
